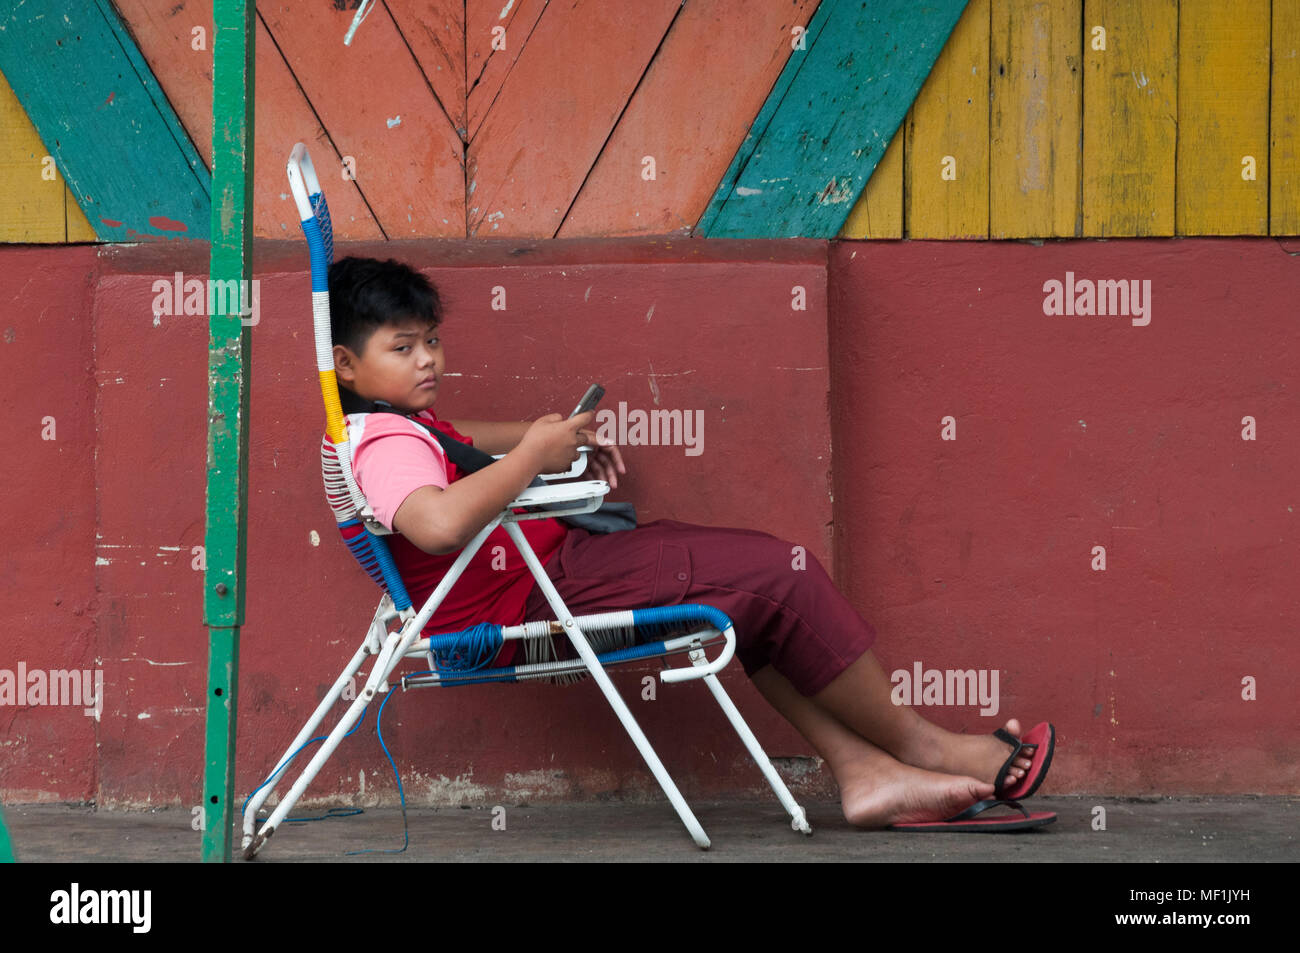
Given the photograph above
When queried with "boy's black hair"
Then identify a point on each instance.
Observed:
(366, 294)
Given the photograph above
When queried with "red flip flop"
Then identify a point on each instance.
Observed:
(1039, 743)
(967, 822)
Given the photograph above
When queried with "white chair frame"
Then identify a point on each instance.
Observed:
(390, 648)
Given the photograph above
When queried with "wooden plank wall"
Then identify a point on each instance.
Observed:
(35, 203)
(1284, 120)
(1041, 119)
(99, 111)
(830, 119)
(1105, 118)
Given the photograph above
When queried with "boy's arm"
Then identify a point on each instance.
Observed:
(492, 436)
(440, 521)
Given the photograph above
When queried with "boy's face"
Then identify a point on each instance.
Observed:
(402, 363)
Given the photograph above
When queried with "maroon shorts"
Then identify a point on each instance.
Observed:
(786, 610)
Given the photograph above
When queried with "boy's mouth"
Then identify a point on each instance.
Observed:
(429, 383)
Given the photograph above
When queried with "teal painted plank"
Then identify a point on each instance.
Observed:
(829, 118)
(102, 115)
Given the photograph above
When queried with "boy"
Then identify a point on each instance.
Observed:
(802, 644)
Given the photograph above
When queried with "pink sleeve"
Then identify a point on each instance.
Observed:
(391, 465)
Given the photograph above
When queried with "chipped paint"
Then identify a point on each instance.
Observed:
(167, 224)
(531, 785)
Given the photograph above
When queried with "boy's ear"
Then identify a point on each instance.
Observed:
(343, 360)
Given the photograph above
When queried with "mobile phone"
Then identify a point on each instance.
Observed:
(589, 400)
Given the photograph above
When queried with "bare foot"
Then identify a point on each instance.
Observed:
(872, 797)
(977, 756)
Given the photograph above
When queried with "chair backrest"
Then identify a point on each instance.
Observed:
(341, 490)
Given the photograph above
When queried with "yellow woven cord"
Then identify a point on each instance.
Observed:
(335, 424)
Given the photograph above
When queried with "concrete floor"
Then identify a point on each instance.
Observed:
(1196, 829)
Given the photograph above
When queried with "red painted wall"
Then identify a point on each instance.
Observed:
(1075, 432)
(1072, 432)
(657, 324)
(48, 616)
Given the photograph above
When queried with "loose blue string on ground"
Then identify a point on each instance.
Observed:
(406, 829)
(287, 761)
(350, 811)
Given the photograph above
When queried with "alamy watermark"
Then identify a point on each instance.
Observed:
(207, 296)
(655, 428)
(57, 687)
(76, 905)
(1083, 296)
(945, 687)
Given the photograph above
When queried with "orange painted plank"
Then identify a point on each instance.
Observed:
(555, 112)
(435, 32)
(690, 136)
(377, 108)
(164, 34)
(486, 69)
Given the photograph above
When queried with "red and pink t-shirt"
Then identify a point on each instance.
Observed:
(393, 457)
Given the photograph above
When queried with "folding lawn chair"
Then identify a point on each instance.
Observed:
(461, 658)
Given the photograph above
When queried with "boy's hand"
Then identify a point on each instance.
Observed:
(554, 441)
(604, 460)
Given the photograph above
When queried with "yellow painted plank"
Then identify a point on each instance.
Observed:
(1222, 175)
(79, 227)
(31, 189)
(1130, 116)
(1034, 118)
(946, 162)
(878, 213)
(1284, 124)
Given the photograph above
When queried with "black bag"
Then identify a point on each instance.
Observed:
(611, 517)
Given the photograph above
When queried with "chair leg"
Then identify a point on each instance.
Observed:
(336, 691)
(387, 660)
(607, 687)
(390, 656)
(798, 820)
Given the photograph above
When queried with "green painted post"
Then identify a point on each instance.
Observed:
(6, 846)
(229, 368)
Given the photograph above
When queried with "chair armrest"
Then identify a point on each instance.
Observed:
(701, 665)
(584, 493)
(577, 468)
